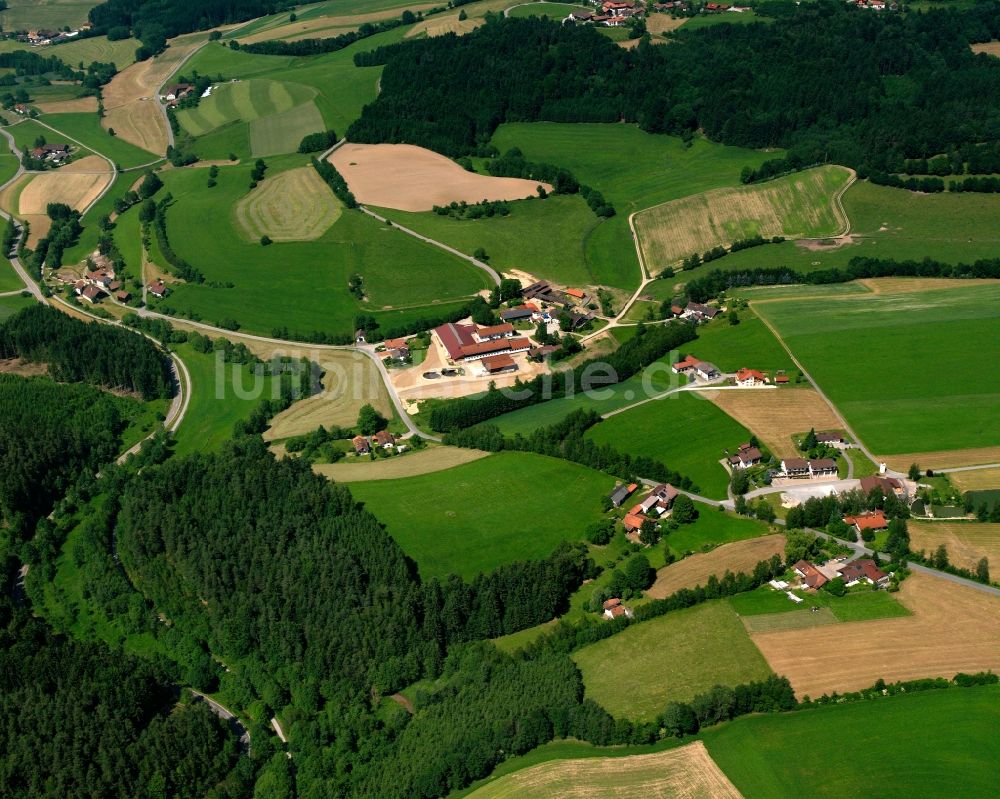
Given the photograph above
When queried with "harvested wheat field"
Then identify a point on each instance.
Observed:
(967, 542)
(349, 381)
(975, 480)
(292, 206)
(774, 415)
(943, 459)
(907, 285)
(86, 105)
(953, 628)
(804, 205)
(77, 184)
(687, 772)
(441, 24)
(411, 464)
(131, 104)
(663, 23)
(411, 178)
(990, 48)
(739, 556)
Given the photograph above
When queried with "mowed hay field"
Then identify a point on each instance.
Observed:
(739, 556)
(121, 52)
(292, 206)
(804, 205)
(426, 461)
(952, 628)
(131, 104)
(34, 14)
(673, 657)
(350, 380)
(775, 415)
(282, 133)
(77, 184)
(411, 178)
(967, 542)
(465, 521)
(687, 772)
(888, 362)
(321, 26)
(244, 100)
(976, 479)
(932, 745)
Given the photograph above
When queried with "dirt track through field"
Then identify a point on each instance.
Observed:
(775, 415)
(410, 178)
(739, 556)
(130, 99)
(965, 541)
(952, 629)
(410, 464)
(76, 184)
(687, 772)
(292, 206)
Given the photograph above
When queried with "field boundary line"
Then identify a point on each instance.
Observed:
(114, 166)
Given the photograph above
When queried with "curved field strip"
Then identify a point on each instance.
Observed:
(554, 11)
(739, 556)
(77, 184)
(953, 628)
(293, 206)
(803, 205)
(774, 416)
(319, 27)
(425, 461)
(441, 24)
(281, 133)
(78, 105)
(349, 381)
(243, 101)
(967, 542)
(687, 772)
(411, 178)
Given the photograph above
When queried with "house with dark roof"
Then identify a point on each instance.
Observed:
(822, 467)
(659, 500)
(795, 467)
(158, 289)
(707, 371)
(863, 570)
(494, 332)
(745, 457)
(519, 314)
(91, 294)
(697, 312)
(889, 485)
(623, 492)
(497, 364)
(384, 439)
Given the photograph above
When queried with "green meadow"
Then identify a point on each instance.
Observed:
(472, 518)
(895, 224)
(554, 11)
(713, 528)
(635, 673)
(121, 53)
(14, 303)
(731, 347)
(931, 744)
(32, 14)
(578, 247)
(86, 128)
(684, 431)
(302, 285)
(892, 363)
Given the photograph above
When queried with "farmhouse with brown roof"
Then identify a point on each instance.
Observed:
(361, 446)
(863, 570)
(158, 289)
(384, 439)
(810, 576)
(496, 364)
(746, 457)
(750, 377)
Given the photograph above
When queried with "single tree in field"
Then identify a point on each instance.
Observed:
(638, 574)
(684, 511)
(941, 557)
(370, 421)
(914, 473)
(734, 318)
(983, 570)
(649, 532)
(810, 441)
(480, 255)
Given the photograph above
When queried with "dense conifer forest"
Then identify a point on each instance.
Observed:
(875, 89)
(79, 352)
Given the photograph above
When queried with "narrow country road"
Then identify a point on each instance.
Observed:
(224, 713)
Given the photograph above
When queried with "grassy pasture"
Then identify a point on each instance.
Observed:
(403, 277)
(659, 168)
(795, 206)
(281, 133)
(887, 362)
(296, 205)
(8, 162)
(475, 517)
(11, 305)
(684, 771)
(748, 344)
(245, 100)
(894, 223)
(121, 53)
(775, 755)
(673, 657)
(711, 529)
(86, 128)
(684, 431)
(32, 14)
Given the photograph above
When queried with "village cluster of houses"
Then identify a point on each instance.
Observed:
(383, 439)
(491, 345)
(691, 365)
(570, 301)
(659, 501)
(55, 154)
(855, 572)
(100, 281)
(41, 37)
(694, 312)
